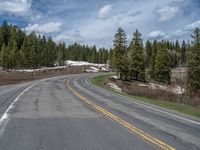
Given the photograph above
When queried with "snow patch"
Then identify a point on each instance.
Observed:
(41, 69)
(175, 90)
(114, 77)
(82, 63)
(114, 87)
(92, 69)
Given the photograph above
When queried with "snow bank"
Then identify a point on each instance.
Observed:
(114, 77)
(92, 69)
(82, 63)
(175, 90)
(40, 69)
(114, 87)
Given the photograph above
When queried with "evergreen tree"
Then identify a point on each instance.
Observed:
(183, 53)
(162, 68)
(61, 54)
(137, 63)
(4, 34)
(178, 54)
(196, 36)
(152, 61)
(111, 58)
(13, 55)
(24, 54)
(32, 59)
(120, 49)
(148, 49)
(4, 57)
(193, 77)
(51, 53)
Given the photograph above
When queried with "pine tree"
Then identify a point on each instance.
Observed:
(111, 58)
(4, 34)
(51, 52)
(183, 53)
(13, 55)
(162, 68)
(178, 53)
(137, 62)
(152, 61)
(120, 49)
(32, 60)
(24, 54)
(61, 54)
(4, 57)
(193, 74)
(148, 49)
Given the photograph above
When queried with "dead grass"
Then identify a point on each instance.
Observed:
(14, 77)
(181, 107)
(133, 88)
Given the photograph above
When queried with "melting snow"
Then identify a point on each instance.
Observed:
(93, 67)
(114, 77)
(175, 90)
(82, 63)
(114, 87)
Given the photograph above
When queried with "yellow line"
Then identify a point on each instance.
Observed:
(129, 126)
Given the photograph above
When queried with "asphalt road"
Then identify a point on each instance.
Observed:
(48, 115)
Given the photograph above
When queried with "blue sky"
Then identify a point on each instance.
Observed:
(96, 21)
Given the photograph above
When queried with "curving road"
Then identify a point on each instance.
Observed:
(69, 113)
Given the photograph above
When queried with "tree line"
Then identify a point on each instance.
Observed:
(19, 50)
(134, 61)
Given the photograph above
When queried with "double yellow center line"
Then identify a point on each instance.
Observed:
(127, 125)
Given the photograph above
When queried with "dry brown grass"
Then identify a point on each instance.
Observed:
(133, 88)
(18, 77)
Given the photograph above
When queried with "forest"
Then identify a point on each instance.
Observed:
(19, 50)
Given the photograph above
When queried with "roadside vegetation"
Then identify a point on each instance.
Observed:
(101, 81)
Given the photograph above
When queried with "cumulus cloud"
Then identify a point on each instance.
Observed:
(156, 35)
(69, 38)
(16, 7)
(186, 31)
(167, 12)
(44, 28)
(193, 25)
(104, 11)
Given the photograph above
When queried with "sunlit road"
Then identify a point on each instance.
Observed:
(69, 113)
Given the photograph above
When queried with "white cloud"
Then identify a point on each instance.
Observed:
(187, 30)
(178, 33)
(69, 38)
(193, 25)
(44, 28)
(16, 7)
(104, 11)
(156, 35)
(167, 12)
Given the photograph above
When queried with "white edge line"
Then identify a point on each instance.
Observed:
(164, 112)
(6, 113)
(158, 110)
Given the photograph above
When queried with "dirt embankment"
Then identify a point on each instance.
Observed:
(14, 77)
